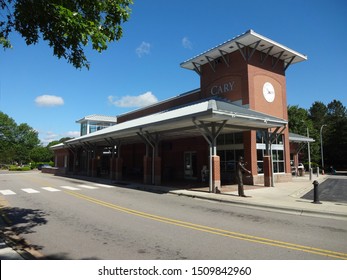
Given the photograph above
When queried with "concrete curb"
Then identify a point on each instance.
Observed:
(11, 243)
(262, 206)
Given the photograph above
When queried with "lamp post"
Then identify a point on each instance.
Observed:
(321, 146)
(309, 151)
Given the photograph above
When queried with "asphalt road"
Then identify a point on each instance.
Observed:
(333, 189)
(65, 218)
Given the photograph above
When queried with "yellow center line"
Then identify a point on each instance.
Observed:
(217, 231)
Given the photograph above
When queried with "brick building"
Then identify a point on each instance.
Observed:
(239, 109)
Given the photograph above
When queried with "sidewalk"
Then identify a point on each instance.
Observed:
(7, 251)
(283, 197)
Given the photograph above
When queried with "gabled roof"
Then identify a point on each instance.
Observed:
(248, 39)
(181, 122)
(98, 118)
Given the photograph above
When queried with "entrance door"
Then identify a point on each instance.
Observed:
(190, 166)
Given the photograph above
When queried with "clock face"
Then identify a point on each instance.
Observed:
(269, 92)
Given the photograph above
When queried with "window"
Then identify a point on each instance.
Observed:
(277, 149)
(229, 148)
(83, 129)
(229, 139)
(95, 126)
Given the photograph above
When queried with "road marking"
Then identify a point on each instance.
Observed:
(7, 192)
(104, 186)
(70, 188)
(50, 189)
(87, 187)
(30, 190)
(217, 231)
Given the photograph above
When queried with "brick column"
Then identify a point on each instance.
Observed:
(157, 170)
(89, 167)
(216, 183)
(147, 170)
(119, 169)
(267, 171)
(112, 168)
(94, 165)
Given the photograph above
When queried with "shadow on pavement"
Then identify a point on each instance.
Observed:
(21, 221)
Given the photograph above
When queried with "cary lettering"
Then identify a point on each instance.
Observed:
(223, 88)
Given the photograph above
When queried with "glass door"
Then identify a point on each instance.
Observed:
(190, 165)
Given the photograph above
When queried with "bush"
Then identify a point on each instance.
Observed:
(313, 166)
(19, 168)
(36, 164)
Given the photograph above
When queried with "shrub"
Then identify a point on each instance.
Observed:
(36, 164)
(19, 168)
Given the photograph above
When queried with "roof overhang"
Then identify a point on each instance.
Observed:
(248, 39)
(181, 123)
(98, 118)
(297, 138)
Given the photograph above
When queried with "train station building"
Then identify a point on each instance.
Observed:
(240, 109)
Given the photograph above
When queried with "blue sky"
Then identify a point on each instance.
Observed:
(50, 95)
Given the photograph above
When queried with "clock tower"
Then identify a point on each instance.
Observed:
(249, 70)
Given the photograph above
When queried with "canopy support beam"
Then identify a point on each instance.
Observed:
(210, 132)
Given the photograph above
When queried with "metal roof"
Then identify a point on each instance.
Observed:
(98, 118)
(181, 122)
(248, 39)
(293, 137)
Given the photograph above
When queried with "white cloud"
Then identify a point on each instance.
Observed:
(48, 136)
(49, 100)
(72, 134)
(186, 43)
(143, 49)
(141, 100)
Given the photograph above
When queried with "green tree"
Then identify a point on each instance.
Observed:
(16, 141)
(52, 143)
(335, 140)
(334, 135)
(62, 140)
(41, 154)
(300, 122)
(67, 25)
(318, 113)
(26, 138)
(7, 132)
(55, 142)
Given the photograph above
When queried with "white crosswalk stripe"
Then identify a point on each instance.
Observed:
(70, 188)
(51, 189)
(56, 189)
(104, 186)
(87, 187)
(30, 190)
(7, 192)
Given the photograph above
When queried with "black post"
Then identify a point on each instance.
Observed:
(315, 192)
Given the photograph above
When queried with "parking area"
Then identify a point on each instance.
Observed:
(334, 189)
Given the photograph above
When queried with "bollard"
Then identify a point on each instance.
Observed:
(315, 193)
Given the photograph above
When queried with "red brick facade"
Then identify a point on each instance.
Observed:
(238, 77)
